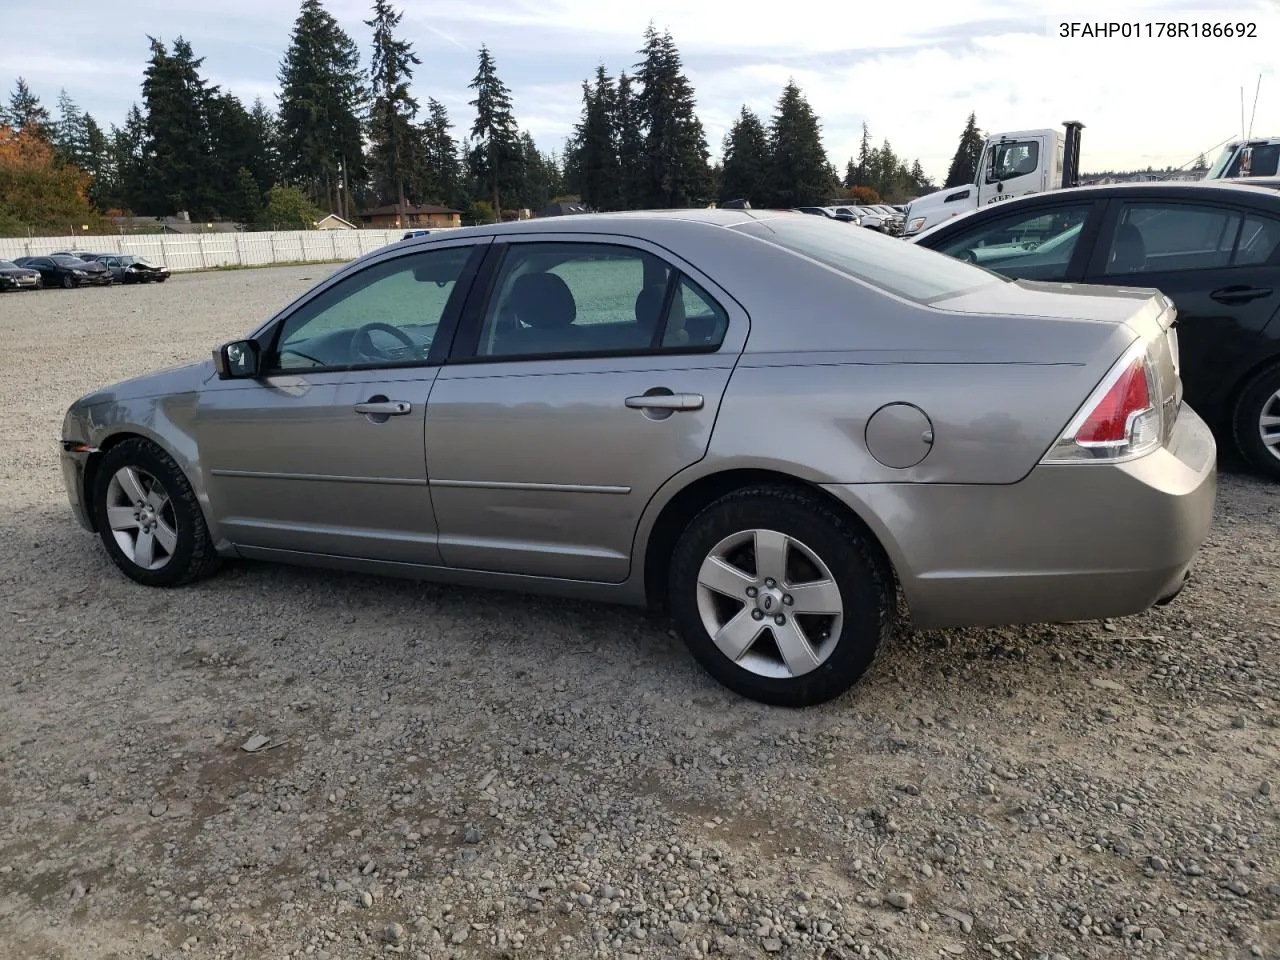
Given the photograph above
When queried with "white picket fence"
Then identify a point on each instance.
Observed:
(206, 250)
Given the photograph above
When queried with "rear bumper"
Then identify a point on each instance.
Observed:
(1072, 542)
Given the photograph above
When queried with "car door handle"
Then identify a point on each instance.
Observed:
(1239, 294)
(385, 408)
(666, 401)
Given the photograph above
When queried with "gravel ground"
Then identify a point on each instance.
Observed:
(457, 774)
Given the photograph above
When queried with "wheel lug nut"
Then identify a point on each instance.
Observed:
(788, 599)
(752, 591)
(770, 582)
(780, 620)
(757, 615)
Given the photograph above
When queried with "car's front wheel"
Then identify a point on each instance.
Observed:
(67, 281)
(148, 516)
(779, 597)
(1257, 422)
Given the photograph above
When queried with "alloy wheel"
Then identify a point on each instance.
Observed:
(1269, 424)
(770, 604)
(141, 517)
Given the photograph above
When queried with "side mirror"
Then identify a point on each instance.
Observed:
(237, 360)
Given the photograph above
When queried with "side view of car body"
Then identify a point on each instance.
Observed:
(127, 268)
(1212, 247)
(629, 408)
(64, 270)
(14, 277)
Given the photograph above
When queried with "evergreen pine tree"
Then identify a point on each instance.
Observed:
(864, 156)
(495, 154)
(800, 174)
(676, 154)
(964, 165)
(746, 159)
(442, 173)
(850, 175)
(393, 110)
(322, 96)
(597, 173)
(68, 133)
(628, 134)
(177, 137)
(26, 113)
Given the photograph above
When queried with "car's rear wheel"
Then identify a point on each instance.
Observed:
(148, 517)
(779, 597)
(1257, 422)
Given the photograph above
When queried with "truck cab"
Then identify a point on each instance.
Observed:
(1247, 158)
(1010, 165)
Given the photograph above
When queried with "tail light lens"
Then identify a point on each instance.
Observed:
(1122, 419)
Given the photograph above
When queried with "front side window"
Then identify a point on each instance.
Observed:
(385, 315)
(1013, 158)
(894, 266)
(586, 299)
(1160, 237)
(1038, 244)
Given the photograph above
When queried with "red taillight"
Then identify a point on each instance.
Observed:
(1109, 422)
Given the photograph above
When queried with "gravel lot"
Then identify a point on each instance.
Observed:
(461, 774)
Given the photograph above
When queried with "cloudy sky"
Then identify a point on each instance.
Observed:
(911, 71)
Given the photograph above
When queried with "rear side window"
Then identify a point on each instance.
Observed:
(1258, 240)
(894, 266)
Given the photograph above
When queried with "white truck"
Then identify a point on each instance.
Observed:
(1031, 161)
(1247, 158)
(1011, 165)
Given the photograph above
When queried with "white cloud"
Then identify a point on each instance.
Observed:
(912, 77)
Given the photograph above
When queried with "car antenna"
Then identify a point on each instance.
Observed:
(1256, 91)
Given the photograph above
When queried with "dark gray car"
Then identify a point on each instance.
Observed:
(768, 423)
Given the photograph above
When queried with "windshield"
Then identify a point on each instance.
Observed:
(902, 269)
(1220, 165)
(6, 265)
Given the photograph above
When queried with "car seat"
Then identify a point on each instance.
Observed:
(1128, 250)
(544, 306)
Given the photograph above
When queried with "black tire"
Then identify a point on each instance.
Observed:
(867, 591)
(1257, 397)
(193, 556)
(68, 281)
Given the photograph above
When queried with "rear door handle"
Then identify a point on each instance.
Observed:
(666, 401)
(1239, 294)
(385, 408)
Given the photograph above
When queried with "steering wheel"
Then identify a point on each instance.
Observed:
(363, 345)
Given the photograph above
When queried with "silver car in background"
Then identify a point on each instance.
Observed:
(769, 424)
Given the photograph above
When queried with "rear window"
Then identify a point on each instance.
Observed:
(895, 266)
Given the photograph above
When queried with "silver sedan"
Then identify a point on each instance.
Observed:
(768, 424)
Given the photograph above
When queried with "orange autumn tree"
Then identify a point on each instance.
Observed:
(37, 191)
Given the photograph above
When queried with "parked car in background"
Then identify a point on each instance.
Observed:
(1212, 247)
(409, 235)
(127, 268)
(629, 407)
(14, 277)
(64, 270)
(815, 211)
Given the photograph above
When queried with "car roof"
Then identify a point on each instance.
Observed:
(1267, 197)
(645, 224)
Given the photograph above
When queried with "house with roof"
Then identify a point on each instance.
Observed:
(415, 215)
(332, 221)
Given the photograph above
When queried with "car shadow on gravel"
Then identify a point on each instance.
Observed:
(509, 639)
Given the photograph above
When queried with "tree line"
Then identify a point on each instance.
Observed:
(346, 137)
